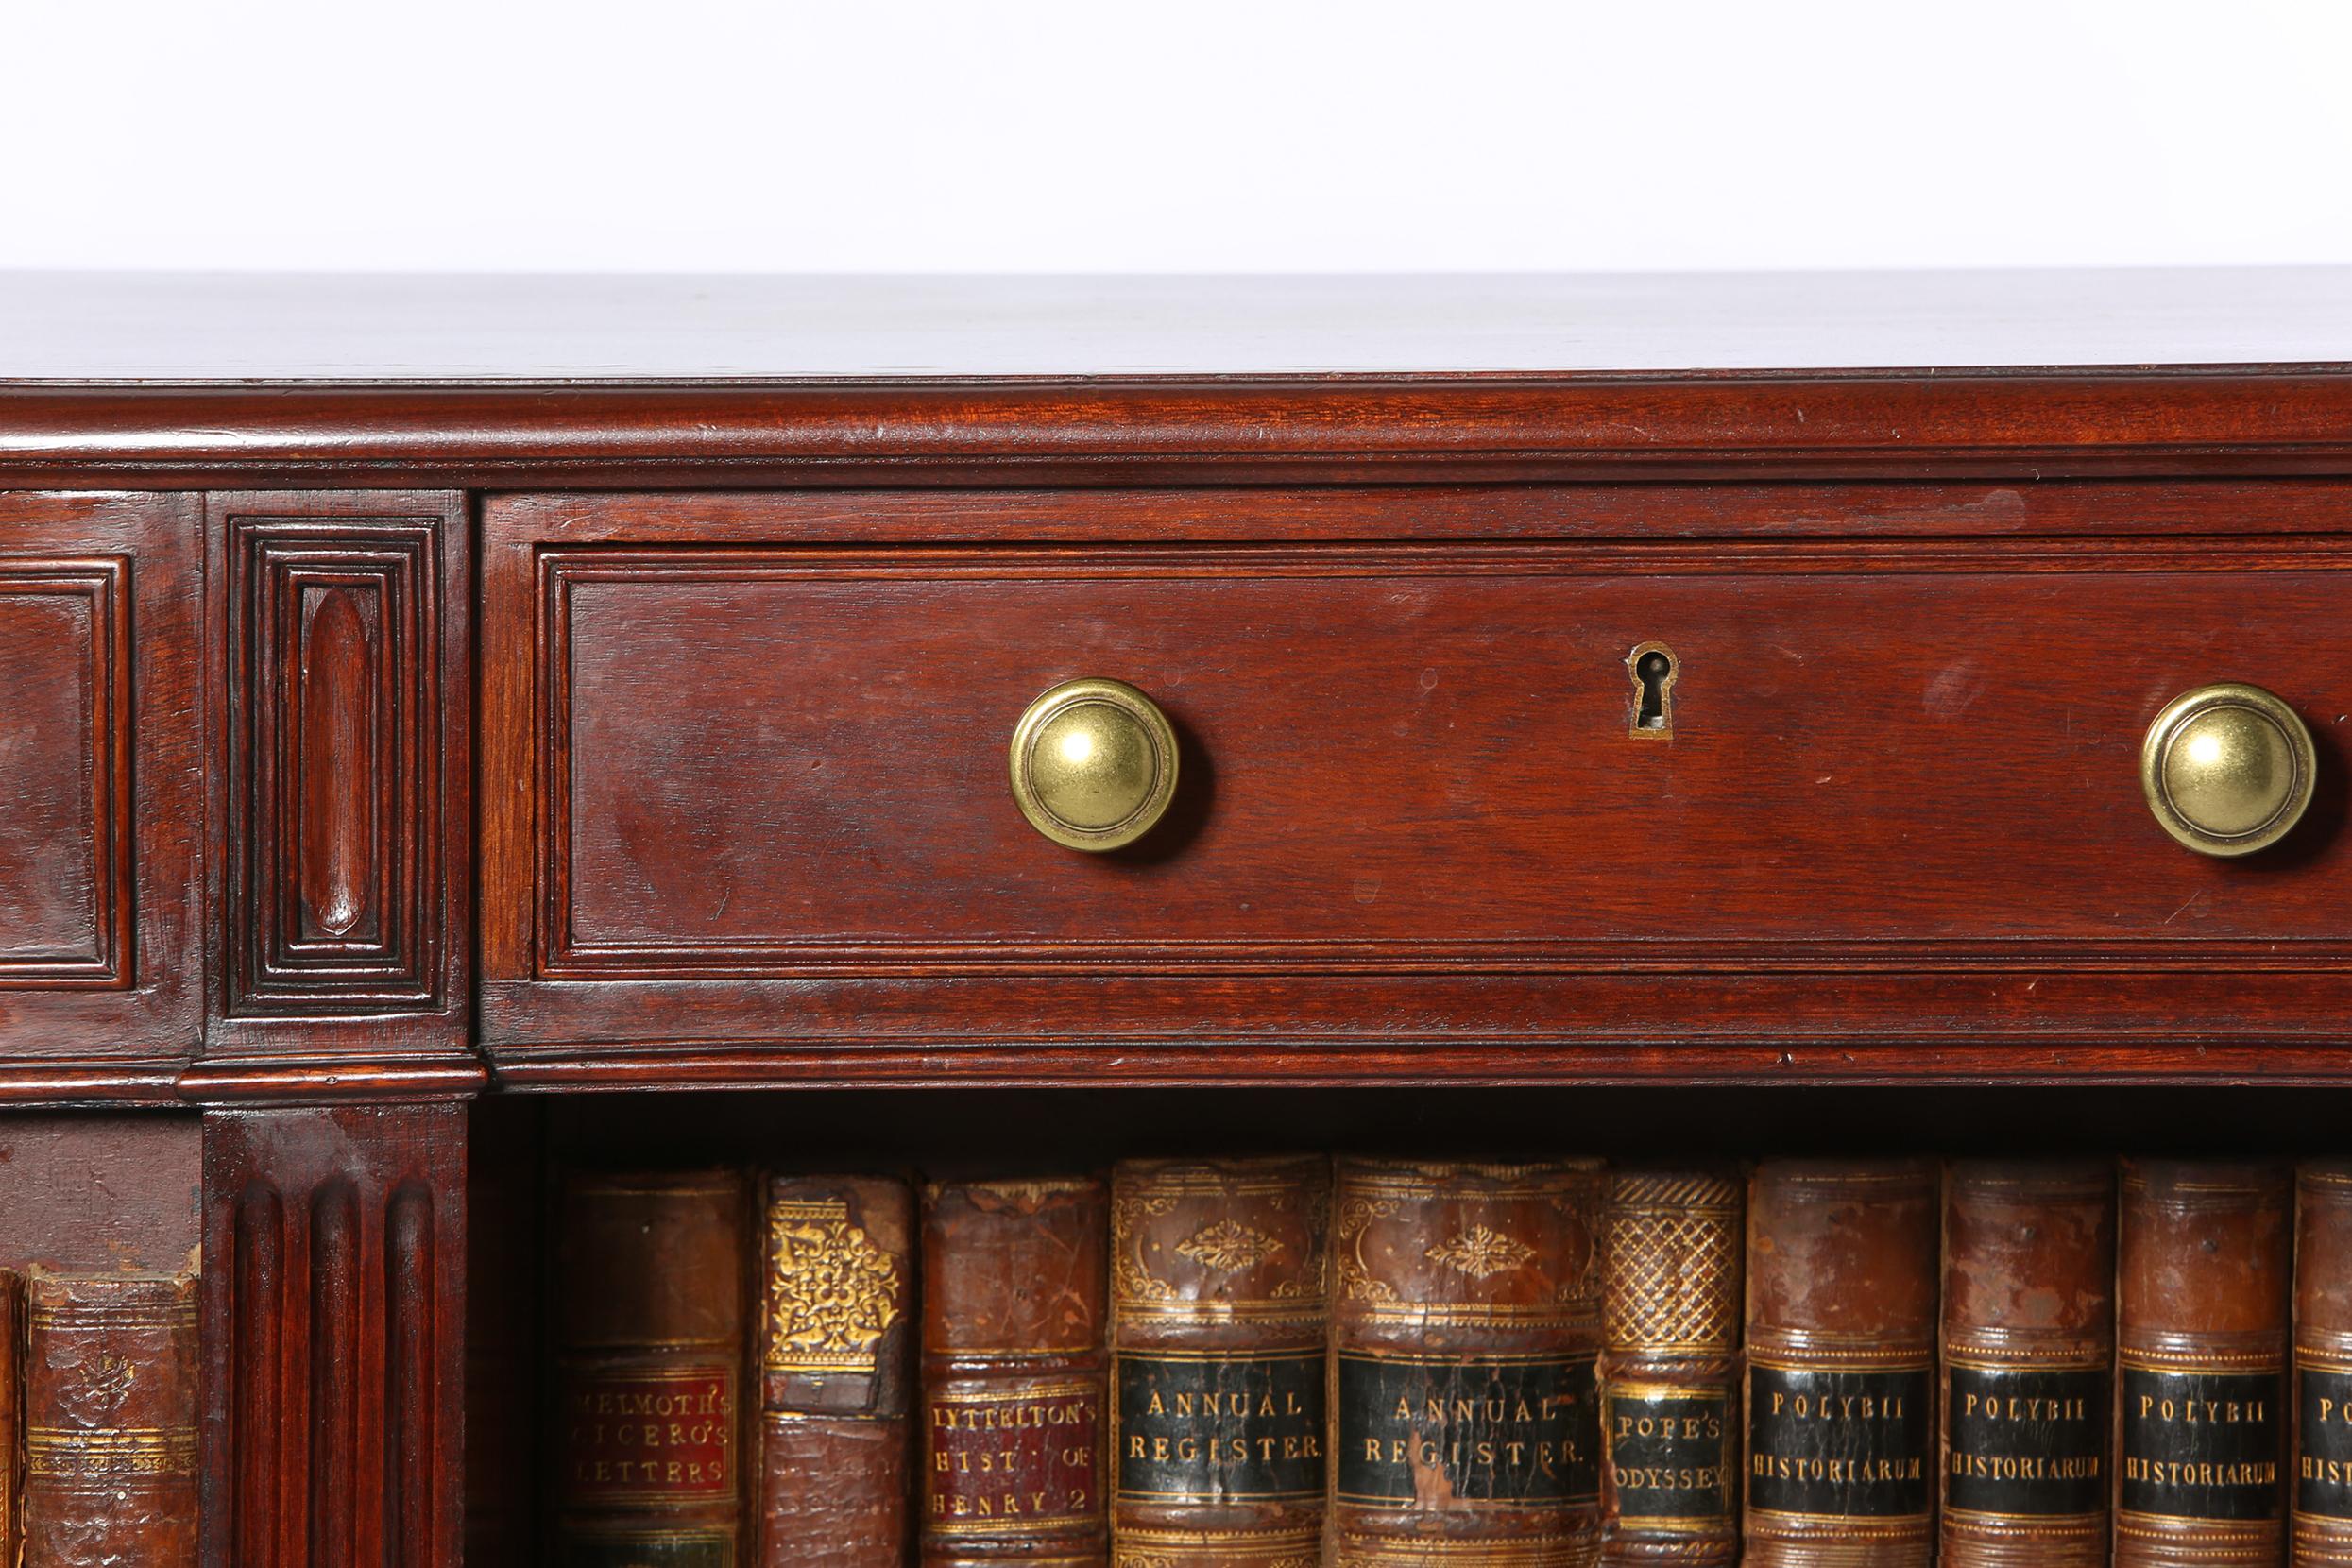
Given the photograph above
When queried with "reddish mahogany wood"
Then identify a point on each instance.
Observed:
(333, 1306)
(2020, 424)
(2177, 509)
(1889, 762)
(338, 885)
(100, 952)
(344, 778)
(743, 816)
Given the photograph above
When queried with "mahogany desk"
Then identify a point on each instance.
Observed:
(430, 700)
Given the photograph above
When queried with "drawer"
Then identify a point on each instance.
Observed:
(763, 784)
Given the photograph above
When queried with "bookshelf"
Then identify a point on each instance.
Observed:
(467, 729)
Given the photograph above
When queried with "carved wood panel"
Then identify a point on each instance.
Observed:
(333, 1307)
(344, 762)
(65, 855)
(99, 816)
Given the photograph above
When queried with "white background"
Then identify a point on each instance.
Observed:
(999, 135)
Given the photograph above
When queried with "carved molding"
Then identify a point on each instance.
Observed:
(346, 761)
(334, 1308)
(89, 602)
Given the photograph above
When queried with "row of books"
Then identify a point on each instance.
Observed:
(1282, 1362)
(99, 1376)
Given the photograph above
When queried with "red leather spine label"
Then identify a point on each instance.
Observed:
(651, 1435)
(1005, 1458)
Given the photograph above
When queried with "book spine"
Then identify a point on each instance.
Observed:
(649, 1359)
(1219, 1314)
(109, 1420)
(2321, 1522)
(1670, 1318)
(2201, 1353)
(1464, 1383)
(12, 1416)
(2029, 1342)
(1841, 1357)
(834, 1372)
(1014, 1379)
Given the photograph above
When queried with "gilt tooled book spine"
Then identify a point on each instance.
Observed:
(835, 1373)
(1841, 1363)
(1220, 1315)
(2321, 1522)
(2202, 1302)
(1015, 1277)
(649, 1362)
(1671, 1245)
(1464, 1382)
(2029, 1342)
(109, 1420)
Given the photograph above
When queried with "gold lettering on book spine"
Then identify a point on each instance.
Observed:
(832, 1293)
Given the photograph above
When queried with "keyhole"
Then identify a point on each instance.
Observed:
(1652, 665)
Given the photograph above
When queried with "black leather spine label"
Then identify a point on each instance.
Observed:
(1666, 1451)
(1218, 1428)
(2030, 1441)
(2323, 1481)
(1506, 1431)
(1846, 1444)
(2201, 1445)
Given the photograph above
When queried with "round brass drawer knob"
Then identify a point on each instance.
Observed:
(2227, 769)
(1094, 764)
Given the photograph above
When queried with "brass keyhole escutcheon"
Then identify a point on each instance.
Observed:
(1094, 764)
(2227, 769)
(1652, 667)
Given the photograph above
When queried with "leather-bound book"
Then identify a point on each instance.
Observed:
(1014, 1393)
(2201, 1338)
(2029, 1347)
(2322, 1475)
(1671, 1245)
(835, 1351)
(1219, 1312)
(649, 1363)
(12, 1416)
(1841, 1357)
(1465, 1337)
(109, 1420)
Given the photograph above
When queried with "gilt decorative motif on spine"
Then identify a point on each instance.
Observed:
(1670, 1314)
(836, 1381)
(109, 1420)
(1218, 1320)
(1465, 1334)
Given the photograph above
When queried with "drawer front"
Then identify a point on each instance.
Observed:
(778, 763)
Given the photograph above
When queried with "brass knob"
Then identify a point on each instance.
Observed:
(1094, 764)
(2227, 769)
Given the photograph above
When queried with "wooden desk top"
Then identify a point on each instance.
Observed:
(228, 328)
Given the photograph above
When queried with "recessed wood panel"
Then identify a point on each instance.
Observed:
(344, 754)
(758, 761)
(65, 849)
(101, 805)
